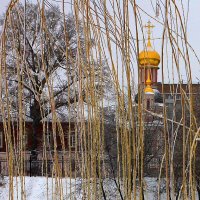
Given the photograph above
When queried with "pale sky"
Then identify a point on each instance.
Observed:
(3, 6)
(193, 34)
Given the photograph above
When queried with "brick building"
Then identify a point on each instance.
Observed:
(45, 141)
(157, 97)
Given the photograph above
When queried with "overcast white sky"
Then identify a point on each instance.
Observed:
(193, 33)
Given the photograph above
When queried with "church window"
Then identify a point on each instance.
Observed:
(72, 140)
(48, 139)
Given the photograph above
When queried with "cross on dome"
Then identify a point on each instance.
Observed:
(149, 26)
(149, 57)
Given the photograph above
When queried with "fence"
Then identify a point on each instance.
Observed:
(41, 167)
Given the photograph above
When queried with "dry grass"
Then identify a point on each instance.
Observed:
(116, 28)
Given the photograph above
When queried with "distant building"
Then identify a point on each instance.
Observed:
(153, 95)
(152, 105)
(66, 144)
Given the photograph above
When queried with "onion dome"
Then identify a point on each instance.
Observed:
(149, 57)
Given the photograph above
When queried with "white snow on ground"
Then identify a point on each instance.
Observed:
(41, 188)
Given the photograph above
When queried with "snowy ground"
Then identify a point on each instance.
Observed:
(41, 188)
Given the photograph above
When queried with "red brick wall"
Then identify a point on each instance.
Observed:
(174, 88)
(40, 135)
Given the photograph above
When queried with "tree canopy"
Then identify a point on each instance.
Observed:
(50, 49)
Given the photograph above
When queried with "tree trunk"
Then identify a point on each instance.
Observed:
(35, 115)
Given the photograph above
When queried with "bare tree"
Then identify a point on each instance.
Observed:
(54, 65)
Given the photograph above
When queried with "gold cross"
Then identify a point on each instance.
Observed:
(149, 26)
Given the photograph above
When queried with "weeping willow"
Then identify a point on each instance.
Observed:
(99, 68)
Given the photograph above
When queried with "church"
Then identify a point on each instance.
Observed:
(161, 105)
(151, 101)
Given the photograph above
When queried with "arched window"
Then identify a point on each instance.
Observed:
(72, 140)
(48, 139)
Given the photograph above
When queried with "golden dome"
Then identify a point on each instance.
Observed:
(149, 57)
